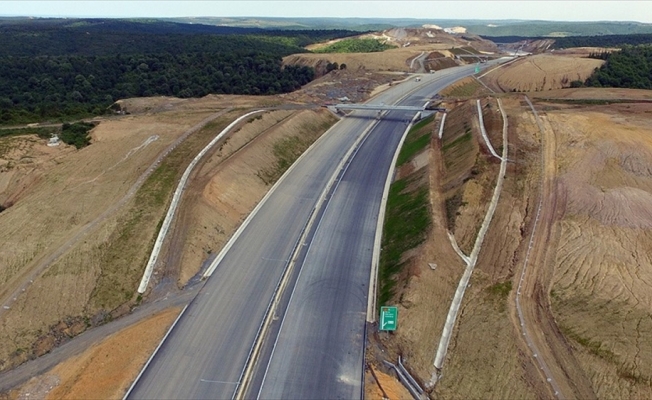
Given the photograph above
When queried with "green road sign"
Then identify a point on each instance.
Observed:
(388, 318)
(477, 68)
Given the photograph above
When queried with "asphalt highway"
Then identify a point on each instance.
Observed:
(205, 354)
(319, 351)
(323, 330)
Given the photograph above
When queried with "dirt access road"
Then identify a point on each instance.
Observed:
(540, 333)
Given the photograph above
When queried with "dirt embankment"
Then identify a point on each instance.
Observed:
(484, 359)
(343, 86)
(389, 60)
(233, 180)
(106, 369)
(541, 72)
(430, 43)
(67, 192)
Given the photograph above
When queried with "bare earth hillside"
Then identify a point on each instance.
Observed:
(541, 72)
(603, 273)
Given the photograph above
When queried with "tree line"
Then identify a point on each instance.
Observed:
(602, 41)
(580, 41)
(631, 67)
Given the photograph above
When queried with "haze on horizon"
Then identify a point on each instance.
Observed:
(634, 11)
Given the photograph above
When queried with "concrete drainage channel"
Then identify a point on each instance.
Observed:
(169, 216)
(470, 260)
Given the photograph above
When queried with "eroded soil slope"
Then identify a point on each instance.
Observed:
(541, 72)
(234, 179)
(602, 288)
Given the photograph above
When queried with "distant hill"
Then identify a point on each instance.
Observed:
(559, 29)
(91, 36)
(478, 27)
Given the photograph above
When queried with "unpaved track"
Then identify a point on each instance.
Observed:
(12, 378)
(548, 349)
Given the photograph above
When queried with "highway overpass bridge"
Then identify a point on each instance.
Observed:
(381, 107)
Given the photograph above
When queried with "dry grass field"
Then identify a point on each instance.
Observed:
(67, 196)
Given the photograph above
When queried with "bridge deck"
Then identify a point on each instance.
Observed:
(382, 107)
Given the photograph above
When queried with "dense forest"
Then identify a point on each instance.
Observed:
(630, 67)
(55, 70)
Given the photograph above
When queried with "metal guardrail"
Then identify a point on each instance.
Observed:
(408, 381)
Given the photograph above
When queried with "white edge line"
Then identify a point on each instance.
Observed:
(142, 371)
(342, 167)
(253, 213)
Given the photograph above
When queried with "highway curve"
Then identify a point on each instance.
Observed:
(205, 354)
(319, 351)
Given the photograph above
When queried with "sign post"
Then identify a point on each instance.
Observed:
(388, 318)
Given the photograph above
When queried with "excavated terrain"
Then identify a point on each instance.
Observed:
(585, 171)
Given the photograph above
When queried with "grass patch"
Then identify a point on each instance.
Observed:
(355, 46)
(406, 225)
(466, 137)
(287, 150)
(499, 293)
(408, 217)
(76, 134)
(501, 289)
(465, 90)
(457, 147)
(416, 140)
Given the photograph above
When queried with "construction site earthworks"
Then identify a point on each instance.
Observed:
(530, 277)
